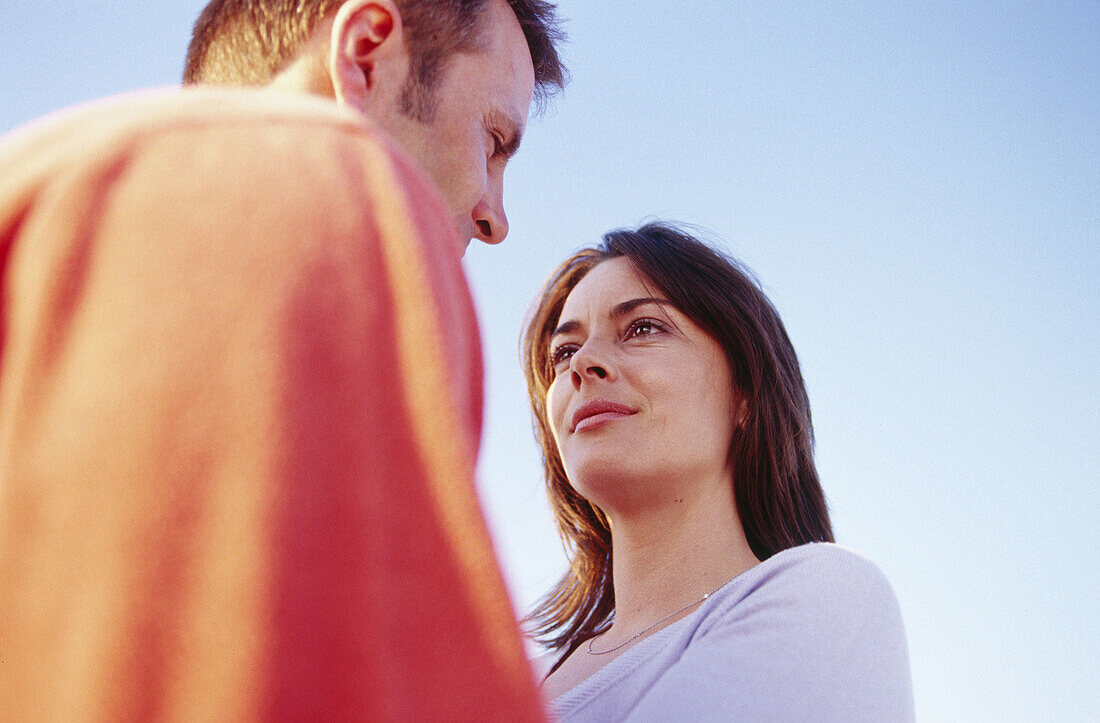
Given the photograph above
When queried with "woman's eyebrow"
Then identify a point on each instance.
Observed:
(628, 306)
(565, 329)
(618, 310)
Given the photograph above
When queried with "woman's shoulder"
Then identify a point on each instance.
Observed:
(818, 617)
(812, 589)
(820, 567)
(821, 553)
(813, 632)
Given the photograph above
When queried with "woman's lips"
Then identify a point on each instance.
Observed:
(596, 412)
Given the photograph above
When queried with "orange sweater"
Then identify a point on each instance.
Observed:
(240, 402)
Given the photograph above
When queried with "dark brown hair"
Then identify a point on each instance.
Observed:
(779, 498)
(247, 42)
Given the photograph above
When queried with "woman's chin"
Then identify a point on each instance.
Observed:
(611, 483)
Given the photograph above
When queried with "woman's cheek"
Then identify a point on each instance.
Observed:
(554, 409)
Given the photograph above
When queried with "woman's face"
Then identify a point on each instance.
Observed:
(642, 403)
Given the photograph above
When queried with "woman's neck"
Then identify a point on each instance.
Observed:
(670, 558)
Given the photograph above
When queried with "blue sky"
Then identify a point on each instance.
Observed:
(918, 187)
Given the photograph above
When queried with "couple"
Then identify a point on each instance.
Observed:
(240, 399)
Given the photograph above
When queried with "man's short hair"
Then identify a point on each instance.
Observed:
(248, 42)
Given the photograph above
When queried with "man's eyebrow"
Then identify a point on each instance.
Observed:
(616, 311)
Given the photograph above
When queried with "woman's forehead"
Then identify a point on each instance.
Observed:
(609, 283)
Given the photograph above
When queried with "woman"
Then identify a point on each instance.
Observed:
(678, 449)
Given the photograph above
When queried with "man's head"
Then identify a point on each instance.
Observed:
(450, 80)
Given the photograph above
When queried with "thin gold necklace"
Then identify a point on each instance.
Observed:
(637, 635)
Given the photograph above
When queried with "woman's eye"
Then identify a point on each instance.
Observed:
(643, 327)
(562, 354)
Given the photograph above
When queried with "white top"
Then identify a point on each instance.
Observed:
(812, 633)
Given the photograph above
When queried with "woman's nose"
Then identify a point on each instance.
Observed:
(589, 363)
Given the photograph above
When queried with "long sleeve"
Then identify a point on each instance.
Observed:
(240, 401)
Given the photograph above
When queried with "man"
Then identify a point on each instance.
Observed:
(452, 93)
(240, 379)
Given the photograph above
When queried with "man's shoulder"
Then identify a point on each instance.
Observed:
(282, 147)
(125, 124)
(298, 173)
(160, 108)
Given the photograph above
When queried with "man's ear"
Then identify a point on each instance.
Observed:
(368, 60)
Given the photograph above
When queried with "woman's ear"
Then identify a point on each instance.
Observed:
(741, 414)
(368, 60)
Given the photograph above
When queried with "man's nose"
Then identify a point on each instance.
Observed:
(490, 221)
